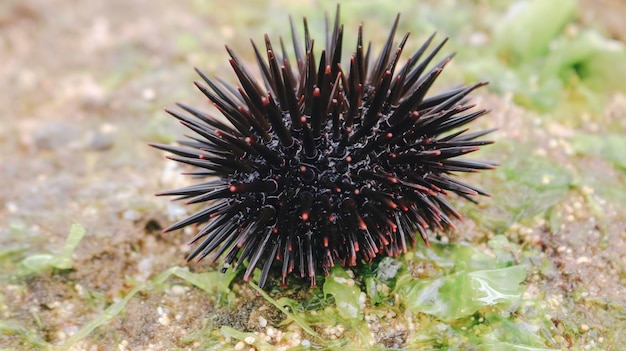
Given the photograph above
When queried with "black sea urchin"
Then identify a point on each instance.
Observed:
(320, 165)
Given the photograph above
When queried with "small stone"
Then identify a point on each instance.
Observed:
(52, 136)
(587, 190)
(11, 207)
(584, 328)
(98, 141)
(262, 322)
(582, 259)
(130, 215)
(249, 340)
(179, 289)
(164, 320)
(148, 94)
(478, 39)
(123, 345)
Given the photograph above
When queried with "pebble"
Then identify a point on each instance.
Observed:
(249, 340)
(11, 207)
(164, 320)
(98, 141)
(122, 345)
(584, 328)
(587, 190)
(130, 215)
(51, 136)
(478, 39)
(148, 94)
(582, 259)
(179, 289)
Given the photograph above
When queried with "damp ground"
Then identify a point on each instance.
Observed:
(84, 85)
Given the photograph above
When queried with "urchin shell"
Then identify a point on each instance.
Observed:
(324, 164)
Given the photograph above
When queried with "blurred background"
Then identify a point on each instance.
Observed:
(84, 84)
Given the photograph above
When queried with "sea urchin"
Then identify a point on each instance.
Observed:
(321, 165)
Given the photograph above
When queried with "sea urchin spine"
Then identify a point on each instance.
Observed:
(321, 165)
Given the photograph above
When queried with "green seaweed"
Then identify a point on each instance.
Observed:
(39, 262)
(214, 282)
(280, 305)
(346, 294)
(525, 32)
(528, 185)
(109, 313)
(609, 146)
(257, 342)
(12, 328)
(473, 299)
(210, 282)
(472, 280)
(541, 56)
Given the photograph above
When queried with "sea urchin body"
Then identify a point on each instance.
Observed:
(325, 165)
